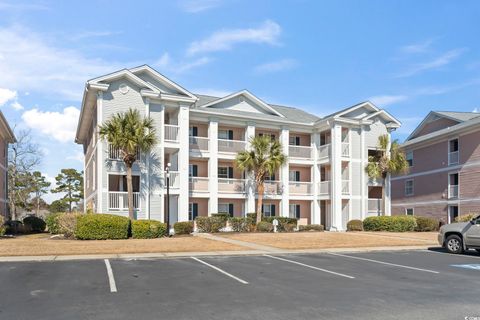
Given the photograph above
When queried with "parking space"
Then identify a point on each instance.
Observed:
(374, 285)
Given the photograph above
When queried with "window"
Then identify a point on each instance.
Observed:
(225, 172)
(271, 177)
(268, 210)
(453, 185)
(271, 135)
(409, 211)
(324, 138)
(294, 210)
(409, 157)
(452, 213)
(226, 208)
(294, 175)
(453, 155)
(192, 211)
(294, 140)
(193, 131)
(225, 134)
(193, 170)
(409, 187)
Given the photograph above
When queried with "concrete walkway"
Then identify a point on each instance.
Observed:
(250, 245)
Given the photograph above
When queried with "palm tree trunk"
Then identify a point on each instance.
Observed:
(260, 190)
(130, 192)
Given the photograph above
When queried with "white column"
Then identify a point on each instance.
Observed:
(147, 168)
(213, 166)
(315, 179)
(183, 159)
(100, 161)
(363, 176)
(387, 182)
(161, 156)
(336, 159)
(249, 134)
(284, 140)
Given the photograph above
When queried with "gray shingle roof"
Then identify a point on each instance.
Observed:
(459, 116)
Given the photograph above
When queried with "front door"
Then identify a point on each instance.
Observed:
(472, 236)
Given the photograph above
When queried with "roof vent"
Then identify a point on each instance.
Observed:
(123, 88)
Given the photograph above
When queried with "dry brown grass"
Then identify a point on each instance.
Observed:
(42, 245)
(325, 240)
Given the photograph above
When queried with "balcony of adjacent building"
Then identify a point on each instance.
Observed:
(171, 127)
(198, 176)
(375, 202)
(325, 184)
(171, 157)
(300, 146)
(230, 179)
(231, 140)
(346, 185)
(453, 190)
(273, 186)
(118, 195)
(324, 149)
(300, 180)
(198, 138)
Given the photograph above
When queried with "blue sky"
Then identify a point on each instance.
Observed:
(409, 57)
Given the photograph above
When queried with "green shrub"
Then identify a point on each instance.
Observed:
(224, 216)
(355, 225)
(282, 222)
(264, 226)
(183, 227)
(311, 227)
(52, 223)
(465, 217)
(426, 224)
(2, 226)
(148, 229)
(34, 224)
(210, 224)
(390, 223)
(14, 227)
(101, 227)
(239, 224)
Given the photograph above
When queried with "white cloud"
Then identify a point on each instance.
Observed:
(384, 100)
(16, 105)
(438, 62)
(223, 40)
(196, 6)
(275, 66)
(60, 126)
(420, 47)
(7, 95)
(77, 156)
(165, 62)
(475, 110)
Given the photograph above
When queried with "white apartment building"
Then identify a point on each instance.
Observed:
(323, 182)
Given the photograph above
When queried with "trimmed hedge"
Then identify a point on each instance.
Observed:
(34, 224)
(211, 224)
(52, 223)
(289, 227)
(14, 227)
(222, 215)
(264, 226)
(465, 217)
(239, 224)
(102, 227)
(2, 227)
(311, 227)
(185, 227)
(355, 225)
(282, 222)
(390, 223)
(148, 229)
(425, 224)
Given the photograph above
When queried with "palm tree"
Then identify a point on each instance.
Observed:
(262, 160)
(129, 133)
(391, 160)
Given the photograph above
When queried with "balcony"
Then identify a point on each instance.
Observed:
(273, 187)
(198, 143)
(452, 191)
(453, 158)
(174, 179)
(345, 187)
(300, 188)
(302, 152)
(116, 154)
(233, 146)
(324, 151)
(231, 185)
(324, 188)
(345, 149)
(118, 200)
(375, 206)
(198, 184)
(171, 132)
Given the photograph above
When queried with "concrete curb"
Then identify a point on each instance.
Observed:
(167, 255)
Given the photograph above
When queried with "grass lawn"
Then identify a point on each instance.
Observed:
(42, 245)
(325, 240)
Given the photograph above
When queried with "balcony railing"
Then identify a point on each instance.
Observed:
(171, 132)
(324, 151)
(453, 157)
(452, 191)
(375, 206)
(234, 146)
(300, 188)
(116, 154)
(300, 152)
(324, 187)
(231, 185)
(345, 149)
(273, 187)
(199, 184)
(118, 200)
(345, 187)
(174, 179)
(198, 143)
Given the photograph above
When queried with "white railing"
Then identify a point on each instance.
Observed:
(231, 185)
(375, 206)
(235, 146)
(375, 181)
(171, 132)
(300, 152)
(324, 151)
(198, 184)
(345, 149)
(273, 187)
(453, 191)
(300, 188)
(453, 157)
(118, 200)
(198, 143)
(324, 187)
(345, 187)
(115, 153)
(174, 179)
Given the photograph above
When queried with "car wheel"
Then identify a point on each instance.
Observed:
(454, 244)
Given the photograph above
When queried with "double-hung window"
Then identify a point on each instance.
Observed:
(268, 210)
(294, 210)
(409, 188)
(409, 157)
(453, 154)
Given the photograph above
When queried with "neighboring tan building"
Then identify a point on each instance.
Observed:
(444, 176)
(6, 137)
(324, 181)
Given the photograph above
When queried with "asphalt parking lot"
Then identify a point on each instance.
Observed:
(369, 285)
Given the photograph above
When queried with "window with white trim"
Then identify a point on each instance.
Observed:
(294, 140)
(226, 208)
(294, 175)
(268, 210)
(294, 210)
(409, 211)
(453, 154)
(409, 187)
(223, 172)
(225, 134)
(409, 158)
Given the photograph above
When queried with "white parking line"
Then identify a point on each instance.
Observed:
(451, 254)
(382, 262)
(309, 266)
(220, 270)
(111, 279)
